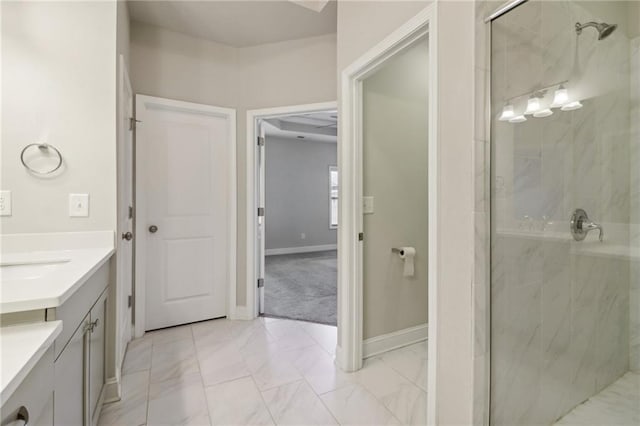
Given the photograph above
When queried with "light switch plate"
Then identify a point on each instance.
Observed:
(78, 205)
(367, 205)
(5, 203)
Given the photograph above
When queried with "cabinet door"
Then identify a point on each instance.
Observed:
(69, 380)
(96, 353)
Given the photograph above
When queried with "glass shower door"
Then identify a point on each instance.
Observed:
(565, 165)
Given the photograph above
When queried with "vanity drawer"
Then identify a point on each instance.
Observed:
(72, 311)
(35, 393)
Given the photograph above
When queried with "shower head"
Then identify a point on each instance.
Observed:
(604, 29)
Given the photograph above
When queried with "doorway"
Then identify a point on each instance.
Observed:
(292, 236)
(300, 217)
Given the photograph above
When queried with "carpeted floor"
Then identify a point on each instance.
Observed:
(302, 286)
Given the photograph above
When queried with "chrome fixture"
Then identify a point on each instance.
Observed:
(508, 6)
(604, 29)
(581, 225)
(44, 148)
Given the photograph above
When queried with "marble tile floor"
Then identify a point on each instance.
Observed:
(263, 372)
(617, 404)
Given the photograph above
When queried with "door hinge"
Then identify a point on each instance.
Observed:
(360, 236)
(132, 123)
(260, 211)
(130, 212)
(260, 141)
(129, 299)
(260, 282)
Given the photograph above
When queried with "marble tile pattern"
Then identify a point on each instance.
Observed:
(560, 320)
(264, 372)
(617, 404)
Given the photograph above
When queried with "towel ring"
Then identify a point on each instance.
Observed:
(42, 147)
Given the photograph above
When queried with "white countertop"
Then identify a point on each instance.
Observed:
(21, 347)
(46, 269)
(53, 288)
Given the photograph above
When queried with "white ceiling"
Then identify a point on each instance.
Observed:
(239, 23)
(313, 127)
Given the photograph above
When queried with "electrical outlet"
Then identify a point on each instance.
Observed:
(78, 205)
(303, 236)
(5, 203)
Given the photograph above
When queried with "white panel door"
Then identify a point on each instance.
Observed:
(186, 171)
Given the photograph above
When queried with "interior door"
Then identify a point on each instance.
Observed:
(261, 214)
(125, 210)
(184, 170)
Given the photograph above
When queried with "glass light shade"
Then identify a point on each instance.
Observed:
(533, 105)
(560, 97)
(507, 113)
(543, 113)
(518, 119)
(572, 106)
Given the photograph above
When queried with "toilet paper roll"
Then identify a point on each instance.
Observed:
(407, 254)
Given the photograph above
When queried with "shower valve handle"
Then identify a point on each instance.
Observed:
(581, 225)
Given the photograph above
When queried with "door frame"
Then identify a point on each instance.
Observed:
(140, 202)
(349, 353)
(250, 310)
(124, 82)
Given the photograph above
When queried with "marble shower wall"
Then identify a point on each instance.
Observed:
(560, 309)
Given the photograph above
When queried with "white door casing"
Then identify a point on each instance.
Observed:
(261, 152)
(124, 258)
(185, 158)
(350, 169)
(255, 241)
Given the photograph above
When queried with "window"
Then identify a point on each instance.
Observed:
(333, 197)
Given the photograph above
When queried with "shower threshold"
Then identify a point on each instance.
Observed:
(616, 404)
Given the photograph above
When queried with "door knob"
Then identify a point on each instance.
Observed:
(127, 236)
(153, 229)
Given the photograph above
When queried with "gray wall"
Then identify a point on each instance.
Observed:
(297, 192)
(59, 87)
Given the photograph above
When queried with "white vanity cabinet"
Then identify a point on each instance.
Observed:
(96, 369)
(69, 379)
(34, 396)
(80, 353)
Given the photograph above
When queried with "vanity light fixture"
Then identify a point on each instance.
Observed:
(571, 106)
(560, 97)
(507, 113)
(533, 104)
(518, 119)
(543, 113)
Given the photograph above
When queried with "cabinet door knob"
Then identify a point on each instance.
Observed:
(127, 236)
(153, 229)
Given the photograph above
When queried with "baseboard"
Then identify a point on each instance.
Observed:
(111, 390)
(305, 249)
(239, 313)
(397, 339)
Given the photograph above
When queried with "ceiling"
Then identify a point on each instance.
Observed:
(314, 127)
(240, 23)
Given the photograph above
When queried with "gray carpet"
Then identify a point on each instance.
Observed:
(302, 286)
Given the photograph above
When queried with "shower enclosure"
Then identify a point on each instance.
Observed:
(565, 213)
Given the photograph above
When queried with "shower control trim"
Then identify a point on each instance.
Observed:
(580, 225)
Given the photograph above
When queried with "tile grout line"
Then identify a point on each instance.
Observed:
(263, 400)
(204, 390)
